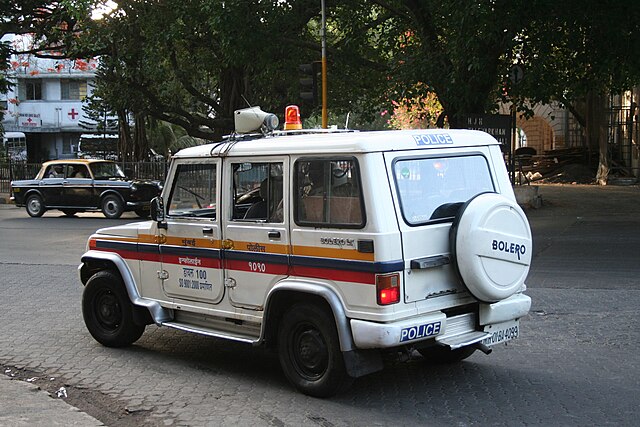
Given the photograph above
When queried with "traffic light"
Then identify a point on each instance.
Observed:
(309, 83)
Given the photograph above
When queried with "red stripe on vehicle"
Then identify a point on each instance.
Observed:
(257, 267)
(337, 275)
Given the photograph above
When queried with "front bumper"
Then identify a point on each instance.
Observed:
(463, 328)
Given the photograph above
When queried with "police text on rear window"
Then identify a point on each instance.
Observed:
(433, 189)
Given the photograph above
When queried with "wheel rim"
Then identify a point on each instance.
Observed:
(111, 206)
(107, 310)
(309, 352)
(34, 205)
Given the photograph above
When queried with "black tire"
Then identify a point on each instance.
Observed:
(309, 351)
(108, 312)
(142, 213)
(69, 212)
(441, 355)
(35, 206)
(112, 206)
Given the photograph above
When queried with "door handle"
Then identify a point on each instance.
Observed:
(207, 231)
(274, 234)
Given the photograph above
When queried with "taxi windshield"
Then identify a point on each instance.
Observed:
(433, 189)
(106, 170)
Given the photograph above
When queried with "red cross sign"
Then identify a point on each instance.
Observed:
(73, 113)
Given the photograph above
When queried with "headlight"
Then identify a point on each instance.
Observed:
(134, 187)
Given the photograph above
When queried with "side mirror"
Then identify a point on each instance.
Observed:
(157, 211)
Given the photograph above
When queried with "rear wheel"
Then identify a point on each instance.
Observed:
(309, 351)
(108, 312)
(35, 207)
(142, 212)
(112, 206)
(444, 355)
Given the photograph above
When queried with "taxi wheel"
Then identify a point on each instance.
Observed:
(444, 355)
(309, 351)
(108, 312)
(112, 207)
(143, 213)
(35, 207)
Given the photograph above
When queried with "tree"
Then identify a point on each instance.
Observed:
(193, 63)
(578, 57)
(99, 116)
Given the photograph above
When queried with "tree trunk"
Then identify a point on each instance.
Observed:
(141, 145)
(233, 87)
(124, 133)
(596, 131)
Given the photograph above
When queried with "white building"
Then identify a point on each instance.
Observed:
(45, 102)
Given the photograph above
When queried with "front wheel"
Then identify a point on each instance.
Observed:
(309, 351)
(35, 207)
(112, 206)
(108, 312)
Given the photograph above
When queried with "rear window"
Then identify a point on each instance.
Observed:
(434, 189)
(328, 193)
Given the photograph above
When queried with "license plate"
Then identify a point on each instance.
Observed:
(502, 332)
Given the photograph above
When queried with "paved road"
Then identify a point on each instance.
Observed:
(577, 362)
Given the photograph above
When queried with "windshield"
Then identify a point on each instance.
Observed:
(106, 170)
(435, 188)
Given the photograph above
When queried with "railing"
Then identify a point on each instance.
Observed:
(136, 170)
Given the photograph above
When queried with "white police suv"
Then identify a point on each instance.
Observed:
(329, 246)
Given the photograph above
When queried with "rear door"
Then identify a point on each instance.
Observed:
(255, 236)
(77, 187)
(429, 189)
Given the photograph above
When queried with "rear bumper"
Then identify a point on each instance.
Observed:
(368, 334)
(511, 308)
(137, 205)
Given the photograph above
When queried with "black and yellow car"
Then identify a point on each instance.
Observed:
(80, 185)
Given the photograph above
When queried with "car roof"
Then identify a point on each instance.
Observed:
(342, 142)
(76, 161)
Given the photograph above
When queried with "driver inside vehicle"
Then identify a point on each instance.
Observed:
(78, 172)
(55, 171)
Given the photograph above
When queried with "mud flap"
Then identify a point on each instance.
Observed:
(359, 363)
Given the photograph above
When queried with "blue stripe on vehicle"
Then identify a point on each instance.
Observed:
(257, 257)
(340, 264)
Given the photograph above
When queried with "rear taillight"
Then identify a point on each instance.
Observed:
(388, 288)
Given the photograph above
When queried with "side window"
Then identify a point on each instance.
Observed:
(328, 193)
(194, 191)
(54, 171)
(77, 171)
(258, 191)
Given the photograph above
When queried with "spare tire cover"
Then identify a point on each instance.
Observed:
(492, 246)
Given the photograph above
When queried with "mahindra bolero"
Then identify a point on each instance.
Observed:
(330, 247)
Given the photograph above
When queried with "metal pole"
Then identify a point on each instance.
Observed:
(513, 144)
(323, 28)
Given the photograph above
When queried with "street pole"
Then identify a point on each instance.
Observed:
(512, 149)
(323, 28)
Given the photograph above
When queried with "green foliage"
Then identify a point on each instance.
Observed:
(193, 63)
(99, 115)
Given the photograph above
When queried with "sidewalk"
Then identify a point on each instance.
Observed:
(24, 404)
